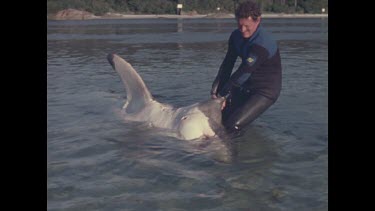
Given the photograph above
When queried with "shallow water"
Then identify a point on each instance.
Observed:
(96, 161)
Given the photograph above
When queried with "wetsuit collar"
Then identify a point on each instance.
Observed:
(255, 34)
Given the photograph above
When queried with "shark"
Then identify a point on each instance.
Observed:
(200, 120)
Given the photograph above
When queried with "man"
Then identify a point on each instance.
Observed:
(256, 84)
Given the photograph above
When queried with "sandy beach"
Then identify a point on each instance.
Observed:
(72, 14)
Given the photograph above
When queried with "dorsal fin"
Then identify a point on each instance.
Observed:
(137, 92)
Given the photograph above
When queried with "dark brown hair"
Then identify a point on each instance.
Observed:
(248, 9)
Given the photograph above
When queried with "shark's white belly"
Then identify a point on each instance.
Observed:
(194, 125)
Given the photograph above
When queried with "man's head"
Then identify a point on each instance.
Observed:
(248, 18)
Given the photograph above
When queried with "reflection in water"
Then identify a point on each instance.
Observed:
(323, 27)
(179, 30)
(179, 25)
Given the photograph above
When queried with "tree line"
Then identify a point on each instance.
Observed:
(100, 7)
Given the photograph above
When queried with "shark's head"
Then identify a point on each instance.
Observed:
(204, 120)
(212, 109)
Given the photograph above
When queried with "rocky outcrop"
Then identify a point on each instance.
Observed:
(73, 14)
(220, 15)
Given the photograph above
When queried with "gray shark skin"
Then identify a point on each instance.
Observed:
(197, 121)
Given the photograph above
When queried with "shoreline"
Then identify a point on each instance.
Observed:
(81, 15)
(212, 16)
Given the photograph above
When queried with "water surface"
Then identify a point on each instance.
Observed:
(96, 161)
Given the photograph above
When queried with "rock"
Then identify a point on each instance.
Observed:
(220, 15)
(73, 14)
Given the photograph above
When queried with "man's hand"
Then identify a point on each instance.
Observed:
(213, 96)
(223, 105)
(228, 87)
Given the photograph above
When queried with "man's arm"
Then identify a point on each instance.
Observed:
(225, 70)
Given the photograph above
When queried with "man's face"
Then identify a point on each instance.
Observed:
(247, 26)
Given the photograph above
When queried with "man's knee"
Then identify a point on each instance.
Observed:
(234, 124)
(247, 113)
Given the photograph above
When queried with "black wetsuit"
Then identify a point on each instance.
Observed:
(255, 85)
